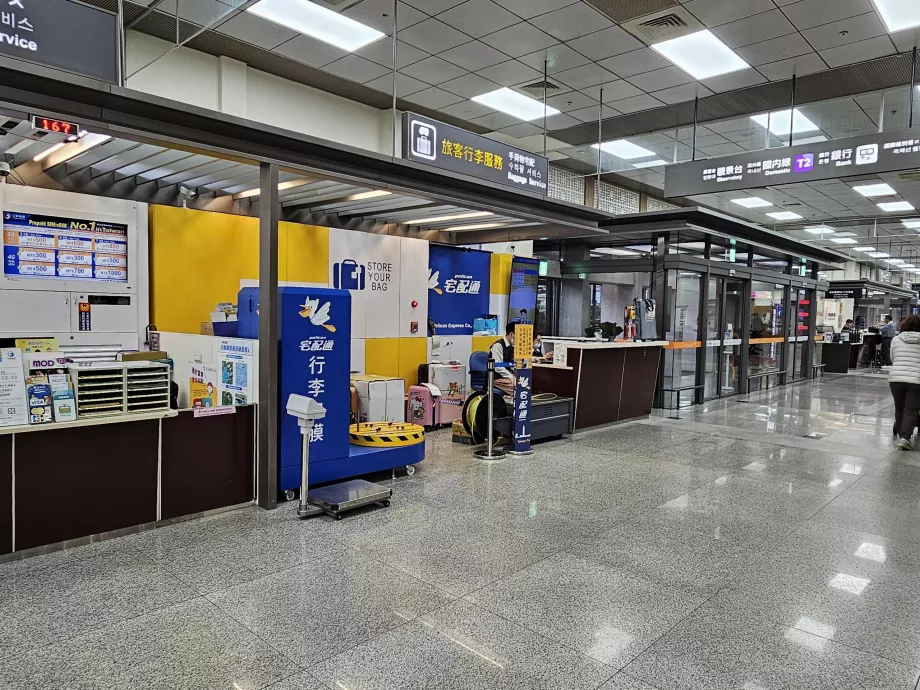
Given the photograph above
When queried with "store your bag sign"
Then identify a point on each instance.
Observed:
(62, 34)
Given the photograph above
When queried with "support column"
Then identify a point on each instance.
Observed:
(268, 449)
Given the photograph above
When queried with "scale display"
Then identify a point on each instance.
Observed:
(36, 246)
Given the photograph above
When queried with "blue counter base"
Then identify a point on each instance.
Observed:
(360, 461)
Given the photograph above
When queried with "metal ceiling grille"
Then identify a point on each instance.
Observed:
(627, 10)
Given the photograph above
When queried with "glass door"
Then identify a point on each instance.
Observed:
(724, 311)
(713, 342)
(800, 310)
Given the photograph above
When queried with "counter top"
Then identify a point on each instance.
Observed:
(602, 345)
(91, 421)
(548, 365)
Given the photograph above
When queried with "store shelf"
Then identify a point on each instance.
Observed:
(120, 388)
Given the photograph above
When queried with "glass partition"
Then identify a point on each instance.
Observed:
(766, 333)
(800, 305)
(682, 331)
(723, 338)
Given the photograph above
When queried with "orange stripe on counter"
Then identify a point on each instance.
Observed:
(819, 338)
(766, 341)
(684, 345)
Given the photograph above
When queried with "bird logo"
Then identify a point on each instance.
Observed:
(318, 315)
(433, 277)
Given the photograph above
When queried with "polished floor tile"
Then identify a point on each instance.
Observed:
(462, 647)
(605, 613)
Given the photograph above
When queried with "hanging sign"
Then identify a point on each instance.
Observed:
(451, 148)
(458, 288)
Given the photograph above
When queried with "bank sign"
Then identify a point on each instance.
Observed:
(62, 34)
(863, 155)
(451, 148)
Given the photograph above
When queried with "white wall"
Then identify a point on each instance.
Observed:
(220, 84)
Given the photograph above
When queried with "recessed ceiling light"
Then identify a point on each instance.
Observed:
(369, 195)
(784, 215)
(911, 223)
(480, 226)
(650, 164)
(821, 230)
(898, 14)
(896, 206)
(515, 104)
(615, 252)
(780, 124)
(846, 234)
(896, 262)
(874, 190)
(751, 202)
(701, 55)
(319, 22)
(908, 266)
(877, 255)
(843, 240)
(623, 149)
(441, 219)
(863, 249)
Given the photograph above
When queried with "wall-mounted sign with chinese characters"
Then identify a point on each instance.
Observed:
(62, 34)
(458, 288)
(451, 148)
(826, 160)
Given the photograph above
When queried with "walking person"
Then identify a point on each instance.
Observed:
(888, 332)
(904, 379)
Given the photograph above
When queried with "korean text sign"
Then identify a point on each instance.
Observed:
(451, 148)
(458, 288)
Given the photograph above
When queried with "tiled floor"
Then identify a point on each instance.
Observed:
(725, 550)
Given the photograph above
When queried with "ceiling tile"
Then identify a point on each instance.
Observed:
(434, 70)
(800, 66)
(573, 100)
(510, 73)
(637, 103)
(775, 49)
(856, 28)
(531, 8)
(474, 56)
(519, 40)
(635, 62)
(858, 52)
(571, 21)
(434, 98)
(496, 121)
(808, 13)
(682, 93)
(759, 27)
(582, 77)
(434, 6)
(356, 68)
(405, 85)
(310, 51)
(590, 114)
(559, 58)
(522, 129)
(479, 18)
(659, 79)
(734, 80)
(466, 110)
(381, 52)
(562, 121)
(257, 31)
(433, 36)
(469, 85)
(370, 13)
(724, 149)
(716, 12)
(613, 91)
(606, 43)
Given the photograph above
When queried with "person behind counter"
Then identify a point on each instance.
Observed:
(904, 380)
(848, 326)
(502, 350)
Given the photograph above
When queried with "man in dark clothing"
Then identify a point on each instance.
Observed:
(502, 350)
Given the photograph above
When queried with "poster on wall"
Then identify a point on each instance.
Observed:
(36, 246)
(458, 288)
(13, 404)
(522, 303)
(368, 267)
(202, 385)
(235, 364)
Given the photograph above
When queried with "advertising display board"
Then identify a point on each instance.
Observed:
(14, 409)
(522, 303)
(236, 366)
(451, 148)
(458, 288)
(52, 247)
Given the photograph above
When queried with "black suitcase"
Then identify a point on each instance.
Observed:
(423, 375)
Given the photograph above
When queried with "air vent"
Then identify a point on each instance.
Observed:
(538, 86)
(661, 26)
(627, 10)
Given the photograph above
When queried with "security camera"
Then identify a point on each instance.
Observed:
(188, 193)
(5, 171)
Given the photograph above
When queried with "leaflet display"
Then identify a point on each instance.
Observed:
(36, 246)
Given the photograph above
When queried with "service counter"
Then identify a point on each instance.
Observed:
(839, 358)
(609, 381)
(70, 481)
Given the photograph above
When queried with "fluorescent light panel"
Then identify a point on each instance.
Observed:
(457, 216)
(751, 202)
(877, 255)
(898, 14)
(913, 223)
(621, 148)
(779, 123)
(369, 195)
(870, 190)
(821, 230)
(784, 215)
(701, 55)
(319, 22)
(615, 252)
(290, 184)
(515, 104)
(480, 226)
(843, 240)
(896, 206)
(650, 164)
(863, 249)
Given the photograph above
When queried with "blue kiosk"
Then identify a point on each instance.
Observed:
(315, 361)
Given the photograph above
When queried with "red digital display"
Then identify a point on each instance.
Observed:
(51, 125)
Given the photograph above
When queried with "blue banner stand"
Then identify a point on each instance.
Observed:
(523, 393)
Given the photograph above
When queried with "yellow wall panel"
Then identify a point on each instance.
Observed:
(381, 356)
(413, 352)
(500, 278)
(198, 258)
(482, 343)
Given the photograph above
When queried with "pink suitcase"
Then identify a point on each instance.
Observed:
(422, 405)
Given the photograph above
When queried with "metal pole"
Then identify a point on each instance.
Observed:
(792, 113)
(122, 48)
(269, 373)
(545, 77)
(305, 508)
(395, 71)
(913, 81)
(696, 114)
(490, 453)
(600, 140)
